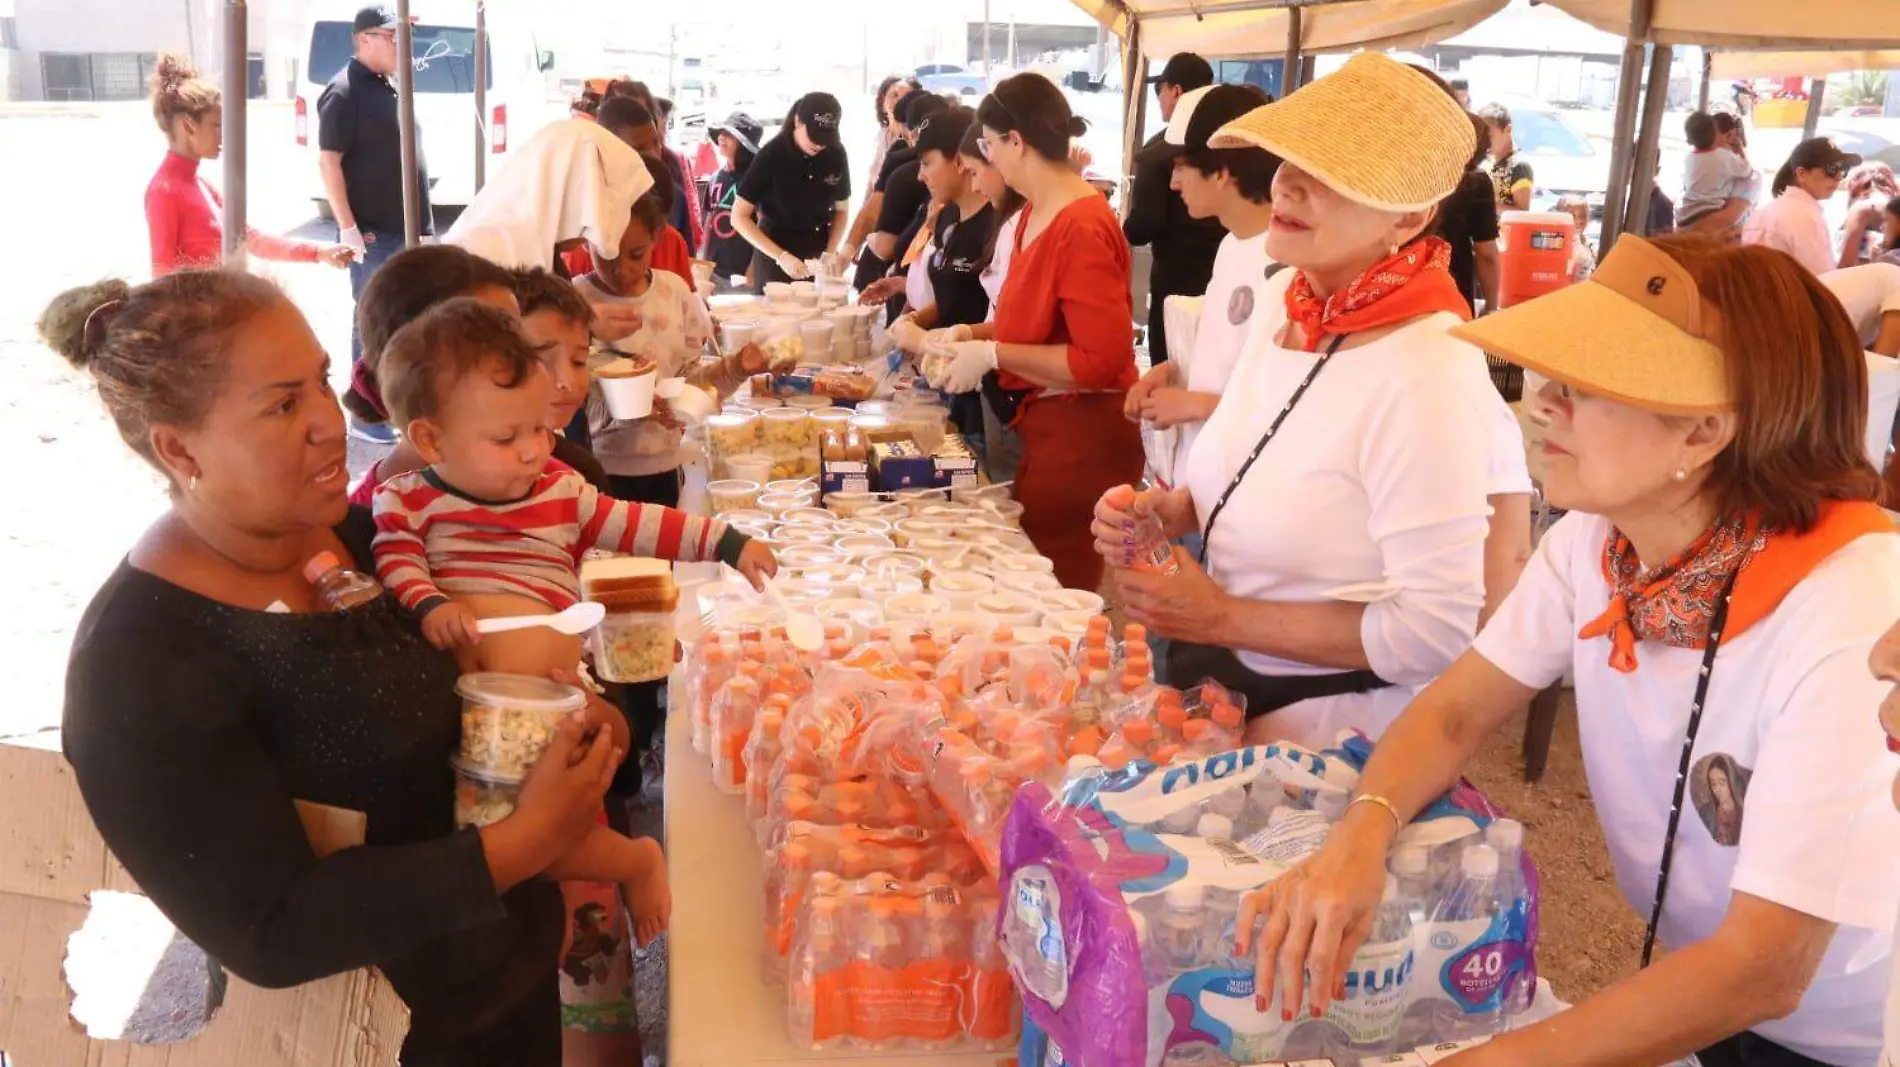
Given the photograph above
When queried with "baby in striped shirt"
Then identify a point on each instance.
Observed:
(488, 528)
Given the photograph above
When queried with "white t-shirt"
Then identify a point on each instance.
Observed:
(1794, 223)
(1790, 720)
(1234, 295)
(1379, 475)
(993, 275)
(1867, 292)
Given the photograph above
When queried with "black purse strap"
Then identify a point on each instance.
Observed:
(1220, 505)
(1688, 754)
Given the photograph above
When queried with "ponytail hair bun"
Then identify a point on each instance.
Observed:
(74, 324)
(1078, 125)
(178, 92)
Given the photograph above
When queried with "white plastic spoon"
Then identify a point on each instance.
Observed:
(807, 634)
(575, 620)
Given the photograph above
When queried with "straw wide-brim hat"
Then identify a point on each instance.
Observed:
(1636, 332)
(1375, 131)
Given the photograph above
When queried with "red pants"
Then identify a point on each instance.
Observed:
(1075, 448)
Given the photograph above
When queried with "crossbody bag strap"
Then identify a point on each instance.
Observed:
(1220, 504)
(1688, 754)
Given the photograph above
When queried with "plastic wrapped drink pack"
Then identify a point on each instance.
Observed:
(1120, 895)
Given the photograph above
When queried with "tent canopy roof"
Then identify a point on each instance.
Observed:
(1228, 28)
(1752, 24)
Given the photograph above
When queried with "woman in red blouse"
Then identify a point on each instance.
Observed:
(181, 208)
(1060, 354)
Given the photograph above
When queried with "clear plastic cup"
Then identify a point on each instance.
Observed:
(737, 334)
(508, 720)
(751, 467)
(732, 494)
(816, 336)
(961, 588)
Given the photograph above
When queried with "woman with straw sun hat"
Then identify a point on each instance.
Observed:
(1341, 483)
(1716, 590)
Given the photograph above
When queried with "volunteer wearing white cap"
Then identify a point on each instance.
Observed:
(1341, 485)
(1233, 185)
(1715, 590)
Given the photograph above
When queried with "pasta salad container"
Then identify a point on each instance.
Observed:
(635, 641)
(508, 720)
(482, 799)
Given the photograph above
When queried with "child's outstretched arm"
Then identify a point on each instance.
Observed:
(636, 864)
(666, 533)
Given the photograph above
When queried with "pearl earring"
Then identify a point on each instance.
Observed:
(1682, 474)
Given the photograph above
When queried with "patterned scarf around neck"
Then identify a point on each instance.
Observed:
(1673, 604)
(1414, 281)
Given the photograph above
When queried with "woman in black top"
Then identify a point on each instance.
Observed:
(792, 202)
(207, 688)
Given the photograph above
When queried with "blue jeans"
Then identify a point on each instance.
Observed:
(380, 246)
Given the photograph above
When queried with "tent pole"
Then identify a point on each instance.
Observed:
(1817, 88)
(1134, 106)
(1290, 66)
(406, 118)
(1655, 100)
(1708, 71)
(1623, 127)
(237, 85)
(481, 94)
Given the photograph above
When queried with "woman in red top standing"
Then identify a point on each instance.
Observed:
(182, 209)
(1060, 354)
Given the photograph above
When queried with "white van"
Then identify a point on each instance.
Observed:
(521, 98)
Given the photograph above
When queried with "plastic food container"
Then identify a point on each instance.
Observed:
(737, 334)
(730, 434)
(1034, 584)
(816, 337)
(779, 504)
(1008, 511)
(925, 422)
(790, 534)
(1070, 622)
(751, 516)
(882, 587)
(803, 590)
(917, 609)
(482, 799)
(1074, 600)
(858, 547)
(813, 404)
(1010, 609)
(817, 517)
(891, 513)
(894, 563)
(508, 720)
(785, 428)
(1024, 563)
(860, 524)
(961, 589)
(845, 580)
(792, 485)
(778, 293)
(634, 643)
(798, 557)
(904, 531)
(731, 495)
(956, 625)
(855, 613)
(850, 505)
(973, 494)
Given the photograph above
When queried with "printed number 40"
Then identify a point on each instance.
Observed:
(1480, 965)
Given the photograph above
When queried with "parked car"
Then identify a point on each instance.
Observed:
(950, 78)
(1563, 161)
(518, 98)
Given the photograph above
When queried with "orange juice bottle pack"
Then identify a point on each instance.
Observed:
(890, 965)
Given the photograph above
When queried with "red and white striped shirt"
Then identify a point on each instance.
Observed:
(432, 541)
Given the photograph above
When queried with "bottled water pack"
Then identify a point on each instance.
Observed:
(1121, 890)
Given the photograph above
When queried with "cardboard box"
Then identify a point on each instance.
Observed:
(52, 859)
(895, 466)
(844, 476)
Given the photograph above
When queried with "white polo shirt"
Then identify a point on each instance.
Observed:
(1234, 298)
(1379, 475)
(1867, 292)
(1789, 734)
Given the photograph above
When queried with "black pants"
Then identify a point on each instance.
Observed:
(1749, 1049)
(1157, 326)
(643, 703)
(529, 1037)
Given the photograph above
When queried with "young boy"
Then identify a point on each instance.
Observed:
(1718, 185)
(488, 528)
(642, 457)
(557, 324)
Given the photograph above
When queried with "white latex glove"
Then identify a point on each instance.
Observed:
(351, 238)
(793, 266)
(969, 362)
(949, 335)
(907, 335)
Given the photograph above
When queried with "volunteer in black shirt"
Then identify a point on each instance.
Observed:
(1468, 221)
(901, 195)
(359, 145)
(964, 225)
(738, 141)
(793, 202)
(1184, 246)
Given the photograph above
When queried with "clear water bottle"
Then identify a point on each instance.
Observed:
(824, 949)
(1081, 780)
(1263, 796)
(337, 587)
(1379, 980)
(1412, 866)
(1475, 897)
(1507, 837)
(1179, 822)
(1178, 929)
(1229, 804)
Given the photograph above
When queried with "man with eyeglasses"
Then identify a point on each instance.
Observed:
(360, 156)
(1795, 222)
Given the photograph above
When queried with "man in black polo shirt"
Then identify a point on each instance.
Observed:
(359, 135)
(1184, 246)
(794, 202)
